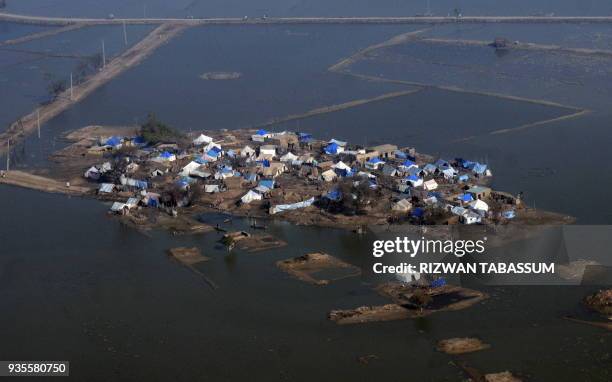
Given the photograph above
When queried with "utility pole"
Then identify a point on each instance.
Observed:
(38, 121)
(103, 55)
(8, 154)
(71, 91)
(124, 34)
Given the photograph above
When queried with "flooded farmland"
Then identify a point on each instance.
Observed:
(110, 295)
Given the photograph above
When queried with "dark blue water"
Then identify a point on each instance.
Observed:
(257, 8)
(77, 285)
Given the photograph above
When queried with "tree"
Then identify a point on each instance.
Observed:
(57, 87)
(154, 131)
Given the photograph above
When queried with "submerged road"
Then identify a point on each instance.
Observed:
(43, 20)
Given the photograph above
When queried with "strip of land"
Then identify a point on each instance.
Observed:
(128, 59)
(338, 107)
(40, 183)
(463, 90)
(39, 35)
(523, 46)
(395, 40)
(44, 20)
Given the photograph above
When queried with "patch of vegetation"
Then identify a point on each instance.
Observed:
(155, 131)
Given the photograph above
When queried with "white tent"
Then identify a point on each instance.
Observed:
(430, 185)
(479, 205)
(267, 150)
(247, 151)
(293, 206)
(202, 139)
(342, 166)
(191, 166)
(250, 196)
(402, 206)
(289, 157)
(329, 175)
(92, 173)
(211, 188)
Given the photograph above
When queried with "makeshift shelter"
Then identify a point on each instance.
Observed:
(479, 206)
(267, 150)
(337, 142)
(166, 157)
(211, 188)
(341, 166)
(186, 171)
(289, 207)
(402, 206)
(106, 188)
(333, 149)
(289, 157)
(430, 185)
(250, 196)
(465, 198)
(414, 181)
(202, 139)
(389, 170)
(374, 163)
(92, 173)
(479, 192)
(247, 151)
(329, 175)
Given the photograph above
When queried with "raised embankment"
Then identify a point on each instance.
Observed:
(40, 183)
(131, 57)
(43, 20)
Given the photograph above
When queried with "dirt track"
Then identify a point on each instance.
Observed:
(130, 58)
(35, 182)
(45, 20)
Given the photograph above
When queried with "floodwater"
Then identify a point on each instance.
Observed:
(258, 8)
(27, 70)
(80, 286)
(118, 308)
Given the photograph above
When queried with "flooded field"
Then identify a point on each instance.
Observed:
(120, 296)
(28, 70)
(108, 290)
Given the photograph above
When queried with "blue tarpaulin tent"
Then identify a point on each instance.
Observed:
(334, 195)
(268, 183)
(113, 141)
(437, 283)
(479, 168)
(400, 154)
(510, 214)
(166, 154)
(418, 212)
(261, 132)
(465, 197)
(331, 149)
